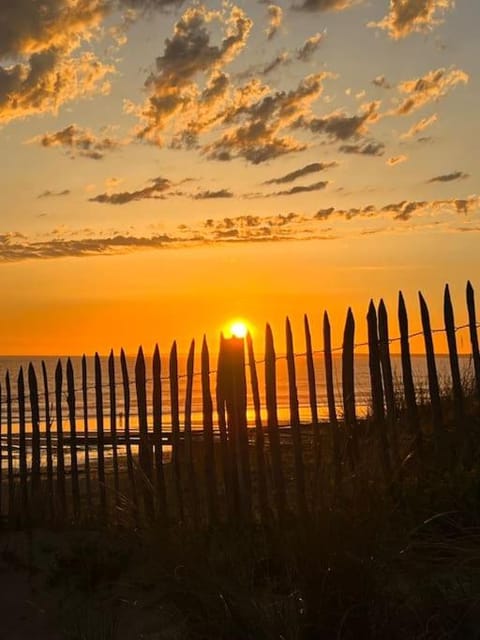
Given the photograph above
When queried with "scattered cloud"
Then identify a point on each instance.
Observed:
(394, 160)
(53, 194)
(369, 148)
(420, 126)
(450, 177)
(212, 195)
(78, 142)
(381, 82)
(428, 88)
(317, 186)
(275, 17)
(409, 16)
(339, 126)
(155, 190)
(306, 52)
(325, 5)
(313, 167)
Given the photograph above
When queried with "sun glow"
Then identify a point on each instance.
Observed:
(238, 329)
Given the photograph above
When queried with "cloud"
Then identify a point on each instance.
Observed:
(279, 61)
(409, 16)
(310, 46)
(325, 5)
(275, 17)
(394, 160)
(428, 88)
(40, 66)
(450, 177)
(369, 148)
(339, 126)
(317, 186)
(314, 167)
(256, 131)
(420, 126)
(78, 141)
(174, 96)
(212, 195)
(54, 194)
(381, 82)
(155, 190)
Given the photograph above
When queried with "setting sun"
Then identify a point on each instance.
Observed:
(238, 329)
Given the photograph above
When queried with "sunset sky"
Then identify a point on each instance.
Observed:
(169, 166)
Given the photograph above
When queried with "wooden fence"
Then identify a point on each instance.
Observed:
(64, 459)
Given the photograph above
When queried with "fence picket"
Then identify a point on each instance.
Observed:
(433, 386)
(35, 414)
(295, 421)
(332, 409)
(86, 448)
(100, 437)
(145, 449)
(472, 319)
(188, 444)
(209, 455)
(113, 425)
(272, 424)
(48, 443)
(128, 444)
(175, 418)
(60, 455)
(161, 497)
(348, 388)
(10, 466)
(457, 390)
(312, 387)
(387, 377)
(73, 437)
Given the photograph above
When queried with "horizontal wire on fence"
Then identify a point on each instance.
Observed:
(302, 354)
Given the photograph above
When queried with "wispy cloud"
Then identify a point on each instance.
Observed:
(394, 160)
(275, 17)
(409, 16)
(313, 167)
(450, 177)
(78, 141)
(54, 194)
(428, 88)
(155, 190)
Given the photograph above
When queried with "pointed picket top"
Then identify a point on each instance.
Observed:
(372, 312)
(289, 334)
(326, 321)
(205, 350)
(173, 350)
(156, 359)
(269, 344)
(58, 373)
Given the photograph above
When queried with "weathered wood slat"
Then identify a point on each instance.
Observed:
(407, 375)
(100, 437)
(312, 388)
(272, 424)
(220, 398)
(348, 387)
(22, 443)
(48, 442)
(86, 448)
(35, 413)
(113, 425)
(10, 466)
(295, 422)
(209, 456)
(1, 452)
(433, 386)
(472, 319)
(175, 419)
(457, 391)
(161, 497)
(259, 435)
(60, 455)
(187, 435)
(387, 377)
(332, 409)
(377, 391)
(71, 401)
(145, 451)
(128, 444)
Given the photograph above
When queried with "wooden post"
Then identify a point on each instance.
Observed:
(407, 376)
(113, 425)
(433, 386)
(10, 467)
(312, 389)
(174, 409)
(377, 391)
(85, 432)
(22, 444)
(145, 451)
(295, 423)
(472, 318)
(332, 410)
(348, 388)
(209, 459)
(48, 442)
(62, 498)
(35, 411)
(73, 438)
(161, 496)
(220, 397)
(259, 435)
(100, 437)
(272, 423)
(457, 391)
(128, 444)
(387, 375)
(191, 479)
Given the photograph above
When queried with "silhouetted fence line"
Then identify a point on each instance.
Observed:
(126, 446)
